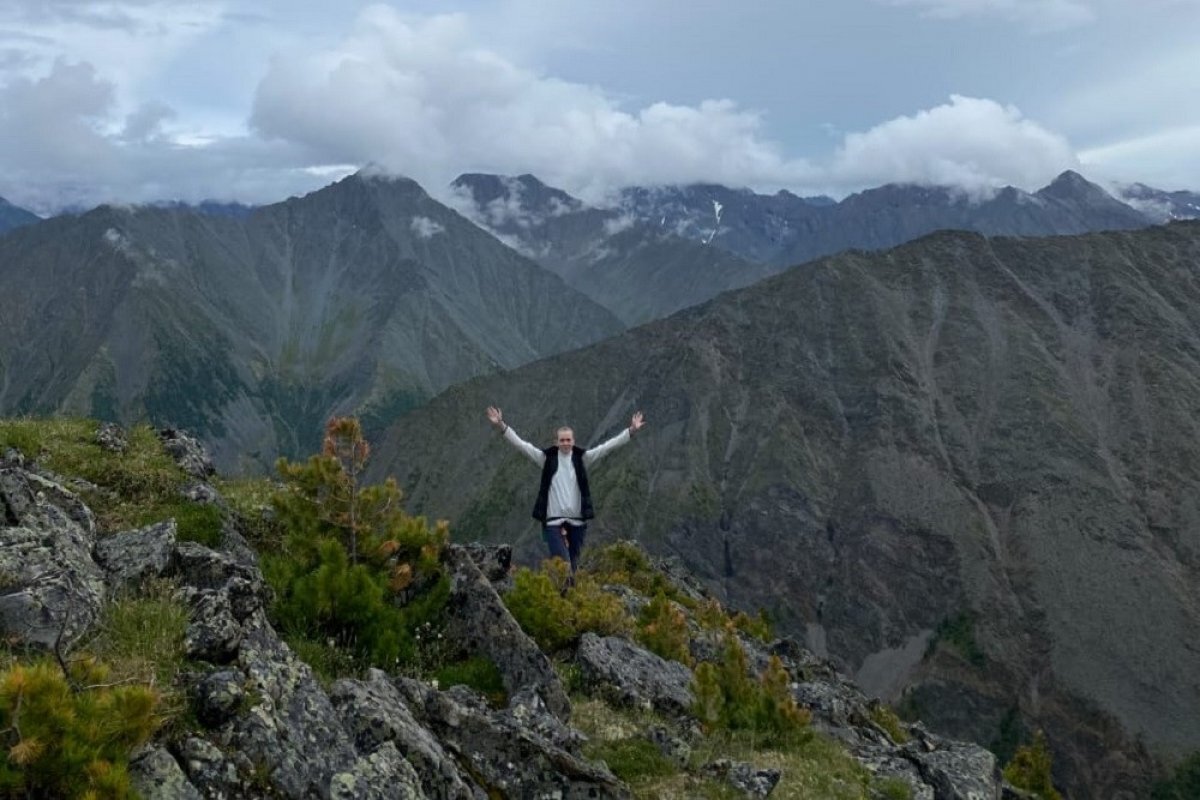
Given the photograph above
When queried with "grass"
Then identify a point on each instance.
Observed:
(811, 765)
(135, 488)
(141, 637)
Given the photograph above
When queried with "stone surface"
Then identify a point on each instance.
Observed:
(50, 588)
(213, 634)
(374, 713)
(111, 437)
(219, 696)
(479, 620)
(189, 453)
(746, 778)
(156, 775)
(504, 755)
(634, 676)
(131, 557)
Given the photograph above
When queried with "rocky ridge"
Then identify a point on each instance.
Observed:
(267, 728)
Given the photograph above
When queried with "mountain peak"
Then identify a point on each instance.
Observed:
(525, 193)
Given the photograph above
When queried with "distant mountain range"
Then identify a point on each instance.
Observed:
(367, 296)
(12, 216)
(966, 467)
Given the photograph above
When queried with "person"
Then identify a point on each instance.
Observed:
(564, 499)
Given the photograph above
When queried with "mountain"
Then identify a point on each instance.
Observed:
(1162, 206)
(365, 296)
(783, 229)
(965, 468)
(14, 216)
(213, 208)
(638, 271)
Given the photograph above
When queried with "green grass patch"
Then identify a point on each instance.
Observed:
(252, 500)
(478, 673)
(887, 719)
(632, 759)
(141, 637)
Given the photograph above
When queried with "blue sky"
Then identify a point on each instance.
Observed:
(136, 100)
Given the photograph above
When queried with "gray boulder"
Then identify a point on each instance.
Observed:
(505, 756)
(218, 696)
(213, 634)
(50, 588)
(209, 769)
(479, 620)
(382, 775)
(374, 713)
(156, 775)
(188, 453)
(634, 676)
(746, 778)
(111, 437)
(130, 557)
(956, 770)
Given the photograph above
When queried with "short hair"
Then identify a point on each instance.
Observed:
(562, 428)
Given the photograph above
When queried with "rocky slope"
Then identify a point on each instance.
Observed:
(367, 295)
(636, 269)
(261, 725)
(964, 468)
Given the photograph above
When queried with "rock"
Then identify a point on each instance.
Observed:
(156, 775)
(201, 492)
(374, 713)
(746, 778)
(634, 602)
(506, 757)
(218, 696)
(957, 770)
(681, 578)
(528, 709)
(188, 453)
(670, 745)
(635, 676)
(50, 588)
(479, 620)
(131, 557)
(111, 437)
(208, 768)
(493, 560)
(382, 775)
(291, 731)
(213, 634)
(198, 566)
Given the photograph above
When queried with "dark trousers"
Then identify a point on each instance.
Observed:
(565, 541)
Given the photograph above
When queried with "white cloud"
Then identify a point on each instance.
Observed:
(973, 143)
(426, 228)
(1168, 159)
(619, 223)
(1038, 15)
(422, 98)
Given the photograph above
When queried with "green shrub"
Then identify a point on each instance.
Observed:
(1030, 769)
(632, 759)
(728, 698)
(556, 614)
(757, 627)
(662, 628)
(1184, 783)
(356, 572)
(626, 563)
(65, 743)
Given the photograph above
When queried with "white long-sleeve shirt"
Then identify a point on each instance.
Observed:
(564, 501)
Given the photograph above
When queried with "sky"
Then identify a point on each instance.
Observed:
(135, 101)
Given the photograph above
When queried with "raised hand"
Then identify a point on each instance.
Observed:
(636, 422)
(494, 416)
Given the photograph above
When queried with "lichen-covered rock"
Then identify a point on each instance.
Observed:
(208, 768)
(50, 588)
(634, 676)
(130, 557)
(156, 775)
(213, 634)
(188, 453)
(374, 713)
(503, 754)
(480, 621)
(528, 709)
(111, 437)
(746, 778)
(201, 493)
(218, 696)
(382, 775)
(956, 770)
(493, 560)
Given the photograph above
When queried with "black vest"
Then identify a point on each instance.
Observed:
(548, 470)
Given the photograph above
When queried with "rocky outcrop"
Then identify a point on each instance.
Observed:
(268, 728)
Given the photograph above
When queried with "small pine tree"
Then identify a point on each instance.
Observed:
(1030, 769)
(662, 627)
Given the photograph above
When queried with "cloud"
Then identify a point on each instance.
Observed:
(426, 228)
(1167, 159)
(1040, 16)
(424, 99)
(973, 143)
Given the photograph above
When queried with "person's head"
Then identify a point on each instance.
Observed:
(565, 438)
